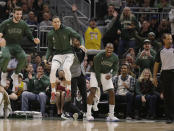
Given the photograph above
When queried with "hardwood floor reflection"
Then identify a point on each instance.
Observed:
(70, 125)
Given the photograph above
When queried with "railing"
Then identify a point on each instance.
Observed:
(26, 44)
(64, 7)
(149, 12)
(138, 11)
(84, 8)
(70, 21)
(43, 31)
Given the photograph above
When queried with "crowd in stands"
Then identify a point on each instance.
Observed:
(136, 42)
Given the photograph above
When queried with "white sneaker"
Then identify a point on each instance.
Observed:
(111, 117)
(15, 79)
(94, 107)
(89, 117)
(4, 79)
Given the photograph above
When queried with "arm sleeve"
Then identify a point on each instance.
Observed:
(30, 84)
(82, 25)
(73, 33)
(50, 48)
(28, 32)
(45, 81)
(138, 88)
(115, 66)
(97, 67)
(132, 84)
(2, 27)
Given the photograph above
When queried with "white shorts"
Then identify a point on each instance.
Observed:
(106, 84)
(64, 61)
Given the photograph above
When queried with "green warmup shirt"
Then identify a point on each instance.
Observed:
(59, 41)
(14, 32)
(36, 85)
(103, 64)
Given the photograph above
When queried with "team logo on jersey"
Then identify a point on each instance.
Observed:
(54, 41)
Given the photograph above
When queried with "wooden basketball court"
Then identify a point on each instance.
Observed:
(71, 125)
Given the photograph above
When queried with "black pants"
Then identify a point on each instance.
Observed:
(79, 82)
(71, 109)
(167, 83)
(128, 98)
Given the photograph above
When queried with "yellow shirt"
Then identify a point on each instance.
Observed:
(20, 88)
(93, 38)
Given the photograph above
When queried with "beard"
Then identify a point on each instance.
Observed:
(17, 19)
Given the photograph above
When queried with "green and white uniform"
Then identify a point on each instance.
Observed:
(59, 46)
(102, 66)
(13, 34)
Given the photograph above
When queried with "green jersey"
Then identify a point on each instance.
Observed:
(59, 41)
(14, 32)
(104, 64)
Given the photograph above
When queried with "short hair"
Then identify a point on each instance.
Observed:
(93, 19)
(17, 9)
(124, 64)
(54, 17)
(110, 44)
(164, 35)
(41, 65)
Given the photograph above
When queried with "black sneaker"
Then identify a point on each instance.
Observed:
(65, 116)
(169, 121)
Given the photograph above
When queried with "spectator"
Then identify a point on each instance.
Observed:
(156, 46)
(91, 33)
(29, 69)
(31, 19)
(129, 25)
(131, 3)
(145, 29)
(36, 89)
(171, 19)
(21, 87)
(163, 4)
(154, 23)
(12, 95)
(116, 3)
(46, 21)
(37, 6)
(109, 16)
(124, 85)
(112, 33)
(25, 11)
(37, 61)
(163, 28)
(60, 91)
(145, 59)
(145, 91)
